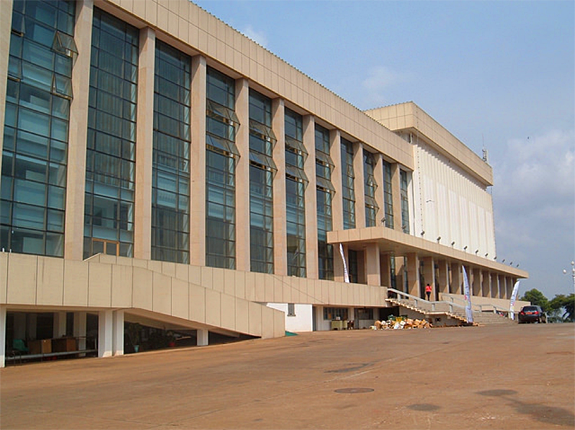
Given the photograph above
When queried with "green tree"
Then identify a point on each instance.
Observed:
(567, 303)
(536, 298)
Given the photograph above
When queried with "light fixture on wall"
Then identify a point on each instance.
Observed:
(476, 251)
(422, 233)
(465, 248)
(438, 239)
(486, 255)
(453, 243)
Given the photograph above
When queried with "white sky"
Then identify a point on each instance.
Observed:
(496, 74)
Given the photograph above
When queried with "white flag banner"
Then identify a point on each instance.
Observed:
(512, 302)
(468, 311)
(345, 272)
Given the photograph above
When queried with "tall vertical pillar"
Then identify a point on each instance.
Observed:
(80, 329)
(372, 264)
(202, 337)
(118, 333)
(59, 324)
(379, 178)
(429, 277)
(413, 285)
(145, 151)
(279, 191)
(105, 333)
(3, 313)
(359, 184)
(385, 270)
(456, 280)
(336, 178)
(396, 196)
(442, 285)
(198, 156)
(486, 284)
(337, 203)
(476, 282)
(78, 133)
(312, 271)
(243, 258)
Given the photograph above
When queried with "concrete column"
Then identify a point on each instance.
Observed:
(243, 259)
(5, 31)
(429, 277)
(3, 313)
(413, 286)
(59, 329)
(359, 185)
(508, 287)
(372, 264)
(80, 329)
(145, 146)
(337, 203)
(202, 337)
(338, 268)
(198, 154)
(118, 333)
(312, 270)
(19, 325)
(456, 279)
(400, 269)
(396, 196)
(78, 133)
(500, 287)
(279, 191)
(385, 270)
(378, 174)
(443, 281)
(476, 282)
(493, 289)
(486, 284)
(105, 333)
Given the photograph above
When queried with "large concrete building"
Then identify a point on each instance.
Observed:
(158, 167)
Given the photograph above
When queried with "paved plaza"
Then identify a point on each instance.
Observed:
(492, 377)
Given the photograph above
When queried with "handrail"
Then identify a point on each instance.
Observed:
(496, 309)
(417, 300)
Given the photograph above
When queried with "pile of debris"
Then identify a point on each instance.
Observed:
(401, 323)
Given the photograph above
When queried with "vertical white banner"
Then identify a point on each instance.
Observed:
(345, 272)
(467, 296)
(512, 302)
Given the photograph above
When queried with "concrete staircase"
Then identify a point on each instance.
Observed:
(451, 309)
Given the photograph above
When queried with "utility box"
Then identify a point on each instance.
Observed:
(42, 346)
(64, 344)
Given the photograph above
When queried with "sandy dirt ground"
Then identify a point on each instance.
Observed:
(492, 377)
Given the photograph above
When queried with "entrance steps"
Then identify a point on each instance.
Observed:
(482, 315)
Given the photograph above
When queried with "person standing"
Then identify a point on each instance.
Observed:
(428, 291)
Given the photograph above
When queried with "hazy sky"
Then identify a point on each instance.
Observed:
(498, 75)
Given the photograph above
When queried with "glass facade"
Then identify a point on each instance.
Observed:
(387, 195)
(370, 186)
(348, 188)
(171, 156)
(35, 151)
(325, 191)
(296, 181)
(404, 202)
(262, 170)
(221, 153)
(111, 152)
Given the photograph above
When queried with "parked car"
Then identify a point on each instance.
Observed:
(530, 314)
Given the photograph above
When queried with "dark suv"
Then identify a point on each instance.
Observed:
(530, 314)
